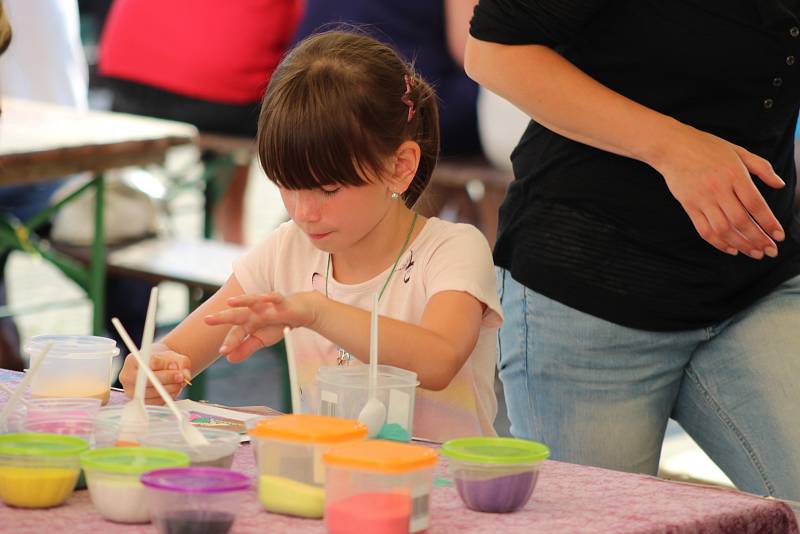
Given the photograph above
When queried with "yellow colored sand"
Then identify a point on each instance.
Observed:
(286, 496)
(30, 487)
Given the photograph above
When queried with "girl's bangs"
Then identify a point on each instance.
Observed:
(309, 146)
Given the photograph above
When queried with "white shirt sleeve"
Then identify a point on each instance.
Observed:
(462, 261)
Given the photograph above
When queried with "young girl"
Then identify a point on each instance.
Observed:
(349, 133)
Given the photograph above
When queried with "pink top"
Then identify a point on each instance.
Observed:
(444, 256)
(222, 51)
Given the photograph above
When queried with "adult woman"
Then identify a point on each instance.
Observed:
(644, 272)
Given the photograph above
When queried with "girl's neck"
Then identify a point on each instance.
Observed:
(378, 250)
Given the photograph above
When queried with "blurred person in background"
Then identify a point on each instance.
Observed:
(203, 62)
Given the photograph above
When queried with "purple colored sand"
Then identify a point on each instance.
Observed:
(501, 494)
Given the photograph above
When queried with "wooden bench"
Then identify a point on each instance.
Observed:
(471, 189)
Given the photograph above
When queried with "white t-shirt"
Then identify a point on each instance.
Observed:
(444, 256)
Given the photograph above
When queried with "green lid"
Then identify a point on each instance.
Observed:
(132, 460)
(41, 445)
(488, 450)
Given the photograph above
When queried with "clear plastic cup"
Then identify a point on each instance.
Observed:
(75, 366)
(344, 390)
(494, 474)
(38, 470)
(221, 448)
(112, 475)
(289, 454)
(194, 499)
(378, 486)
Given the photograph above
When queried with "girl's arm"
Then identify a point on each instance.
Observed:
(188, 349)
(707, 175)
(436, 349)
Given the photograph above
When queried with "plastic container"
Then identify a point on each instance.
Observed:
(221, 448)
(75, 366)
(38, 470)
(378, 486)
(112, 475)
(194, 500)
(343, 392)
(289, 452)
(495, 474)
(159, 419)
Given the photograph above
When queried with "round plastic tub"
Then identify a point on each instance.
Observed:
(222, 446)
(378, 486)
(289, 452)
(194, 499)
(159, 418)
(75, 366)
(38, 470)
(343, 392)
(112, 475)
(494, 474)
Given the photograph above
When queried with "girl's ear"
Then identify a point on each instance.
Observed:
(406, 161)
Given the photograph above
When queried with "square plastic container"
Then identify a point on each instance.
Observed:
(378, 486)
(222, 446)
(112, 475)
(52, 408)
(344, 390)
(75, 366)
(494, 474)
(194, 499)
(38, 470)
(289, 452)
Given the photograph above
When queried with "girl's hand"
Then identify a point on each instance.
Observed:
(710, 177)
(258, 320)
(171, 368)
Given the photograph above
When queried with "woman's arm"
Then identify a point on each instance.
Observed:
(436, 349)
(457, 14)
(709, 176)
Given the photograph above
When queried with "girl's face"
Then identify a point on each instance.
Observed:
(335, 217)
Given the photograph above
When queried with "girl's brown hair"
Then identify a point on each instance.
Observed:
(336, 108)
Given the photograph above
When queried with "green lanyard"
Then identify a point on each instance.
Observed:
(344, 357)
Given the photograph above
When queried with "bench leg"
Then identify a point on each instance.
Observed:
(97, 269)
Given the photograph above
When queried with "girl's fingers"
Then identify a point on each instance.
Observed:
(233, 316)
(242, 301)
(245, 349)
(232, 339)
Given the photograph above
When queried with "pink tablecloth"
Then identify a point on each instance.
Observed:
(568, 498)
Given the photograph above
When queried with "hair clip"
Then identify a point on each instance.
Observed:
(406, 98)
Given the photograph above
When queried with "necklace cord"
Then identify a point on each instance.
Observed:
(394, 267)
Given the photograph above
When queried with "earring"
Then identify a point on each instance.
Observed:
(395, 195)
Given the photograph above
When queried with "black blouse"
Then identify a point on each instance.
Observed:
(602, 233)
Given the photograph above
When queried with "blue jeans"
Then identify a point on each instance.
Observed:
(601, 394)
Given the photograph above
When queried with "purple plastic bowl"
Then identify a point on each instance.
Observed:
(196, 480)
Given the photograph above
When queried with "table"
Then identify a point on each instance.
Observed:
(568, 498)
(41, 142)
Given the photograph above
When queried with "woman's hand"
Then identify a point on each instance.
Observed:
(258, 320)
(171, 368)
(710, 177)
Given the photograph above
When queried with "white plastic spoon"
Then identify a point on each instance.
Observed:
(134, 419)
(373, 414)
(193, 437)
(291, 364)
(20, 389)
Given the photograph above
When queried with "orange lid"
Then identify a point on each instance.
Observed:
(309, 428)
(381, 456)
